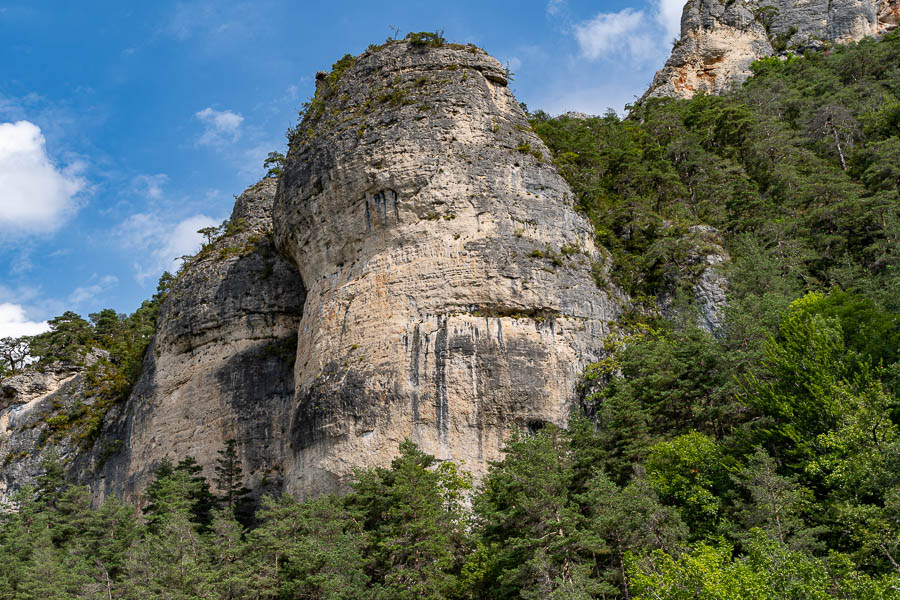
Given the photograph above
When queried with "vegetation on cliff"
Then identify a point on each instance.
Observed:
(756, 461)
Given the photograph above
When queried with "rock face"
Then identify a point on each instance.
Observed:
(28, 404)
(447, 292)
(450, 288)
(720, 39)
(221, 363)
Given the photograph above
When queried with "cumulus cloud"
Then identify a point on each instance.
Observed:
(150, 186)
(92, 292)
(640, 36)
(609, 33)
(15, 323)
(220, 127)
(184, 238)
(162, 243)
(35, 195)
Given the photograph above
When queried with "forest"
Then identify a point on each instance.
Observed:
(760, 460)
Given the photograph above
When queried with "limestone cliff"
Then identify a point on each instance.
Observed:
(450, 289)
(220, 365)
(443, 288)
(720, 39)
(33, 407)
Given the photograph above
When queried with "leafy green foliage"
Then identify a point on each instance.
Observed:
(229, 479)
(769, 570)
(802, 161)
(415, 519)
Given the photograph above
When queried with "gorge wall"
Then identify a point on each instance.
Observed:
(220, 364)
(420, 272)
(450, 288)
(720, 39)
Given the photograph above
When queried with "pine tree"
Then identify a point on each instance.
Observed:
(192, 489)
(413, 514)
(529, 520)
(230, 482)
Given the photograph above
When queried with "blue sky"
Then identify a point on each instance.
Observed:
(125, 127)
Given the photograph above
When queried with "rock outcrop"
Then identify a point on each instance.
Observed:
(720, 39)
(447, 292)
(710, 287)
(701, 273)
(29, 403)
(221, 363)
(450, 288)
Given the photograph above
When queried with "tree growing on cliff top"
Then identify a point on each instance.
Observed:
(274, 164)
(13, 353)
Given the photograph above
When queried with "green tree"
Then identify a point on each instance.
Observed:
(413, 514)
(529, 519)
(689, 472)
(229, 480)
(274, 164)
(179, 488)
(69, 339)
(775, 503)
(623, 520)
(770, 570)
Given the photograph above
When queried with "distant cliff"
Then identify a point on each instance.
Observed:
(720, 39)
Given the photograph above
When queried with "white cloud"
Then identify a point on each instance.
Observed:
(162, 244)
(616, 34)
(250, 161)
(92, 292)
(14, 322)
(554, 6)
(668, 14)
(35, 195)
(184, 238)
(215, 23)
(640, 36)
(150, 186)
(219, 127)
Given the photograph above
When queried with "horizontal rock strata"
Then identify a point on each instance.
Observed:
(450, 289)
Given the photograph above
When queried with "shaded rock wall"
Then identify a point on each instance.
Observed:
(450, 289)
(720, 39)
(221, 363)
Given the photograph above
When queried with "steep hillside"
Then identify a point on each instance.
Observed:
(745, 450)
(450, 293)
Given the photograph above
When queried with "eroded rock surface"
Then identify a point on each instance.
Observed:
(720, 39)
(39, 411)
(450, 289)
(221, 363)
